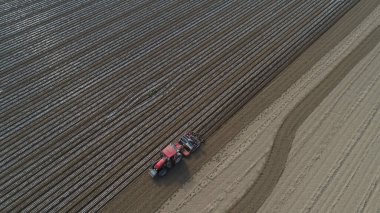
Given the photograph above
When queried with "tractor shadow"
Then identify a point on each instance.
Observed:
(179, 174)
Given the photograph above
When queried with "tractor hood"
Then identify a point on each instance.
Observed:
(160, 164)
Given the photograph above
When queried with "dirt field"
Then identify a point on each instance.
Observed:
(333, 162)
(308, 180)
(156, 192)
(90, 91)
(329, 122)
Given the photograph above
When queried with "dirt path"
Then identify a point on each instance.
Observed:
(222, 181)
(278, 156)
(332, 163)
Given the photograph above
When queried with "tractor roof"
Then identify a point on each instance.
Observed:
(169, 151)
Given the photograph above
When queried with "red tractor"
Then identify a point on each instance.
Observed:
(174, 152)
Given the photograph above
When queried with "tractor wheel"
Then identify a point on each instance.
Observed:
(179, 158)
(169, 163)
(162, 172)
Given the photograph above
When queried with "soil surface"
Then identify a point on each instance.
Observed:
(277, 160)
(92, 90)
(145, 190)
(251, 159)
(332, 165)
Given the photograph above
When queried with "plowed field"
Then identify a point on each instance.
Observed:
(90, 91)
(313, 149)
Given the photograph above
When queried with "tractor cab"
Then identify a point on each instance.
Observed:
(170, 151)
(170, 156)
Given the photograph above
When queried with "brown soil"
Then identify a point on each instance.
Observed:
(277, 159)
(146, 195)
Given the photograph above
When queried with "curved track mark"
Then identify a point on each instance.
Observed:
(276, 162)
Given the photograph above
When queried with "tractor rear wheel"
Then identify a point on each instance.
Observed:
(162, 172)
(169, 163)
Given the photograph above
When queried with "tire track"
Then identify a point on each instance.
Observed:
(348, 149)
(353, 173)
(370, 192)
(322, 188)
(276, 161)
(336, 126)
